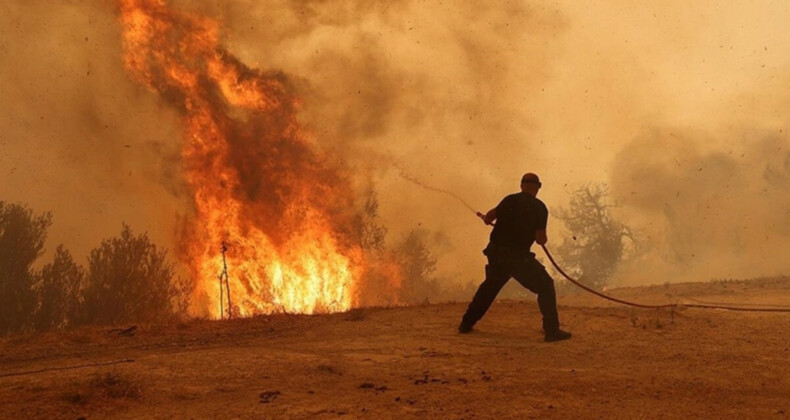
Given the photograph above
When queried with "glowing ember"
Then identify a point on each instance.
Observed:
(256, 180)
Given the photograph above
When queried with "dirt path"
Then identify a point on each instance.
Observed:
(410, 362)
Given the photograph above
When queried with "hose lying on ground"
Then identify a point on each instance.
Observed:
(665, 305)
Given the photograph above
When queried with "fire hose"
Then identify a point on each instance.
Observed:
(643, 305)
(699, 305)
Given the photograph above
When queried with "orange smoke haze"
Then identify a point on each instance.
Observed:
(681, 108)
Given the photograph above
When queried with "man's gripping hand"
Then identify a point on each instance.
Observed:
(487, 218)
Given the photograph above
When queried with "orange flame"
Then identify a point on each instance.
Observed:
(257, 181)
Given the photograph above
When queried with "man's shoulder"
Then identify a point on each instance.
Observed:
(526, 198)
(509, 199)
(535, 203)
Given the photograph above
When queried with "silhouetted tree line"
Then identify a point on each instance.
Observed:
(127, 279)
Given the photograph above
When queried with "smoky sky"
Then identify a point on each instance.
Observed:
(78, 138)
(681, 108)
(716, 213)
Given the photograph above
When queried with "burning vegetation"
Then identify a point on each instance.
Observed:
(258, 181)
(298, 226)
(274, 223)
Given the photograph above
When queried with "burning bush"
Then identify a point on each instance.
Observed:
(129, 279)
(257, 179)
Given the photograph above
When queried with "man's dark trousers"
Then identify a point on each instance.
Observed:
(504, 263)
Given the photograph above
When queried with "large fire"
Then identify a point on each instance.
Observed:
(257, 180)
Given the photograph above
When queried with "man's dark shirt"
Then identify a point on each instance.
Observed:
(518, 216)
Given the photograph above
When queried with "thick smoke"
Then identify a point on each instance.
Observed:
(707, 213)
(77, 137)
(466, 98)
(440, 92)
(386, 85)
(678, 106)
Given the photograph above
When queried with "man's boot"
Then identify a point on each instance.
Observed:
(557, 335)
(464, 328)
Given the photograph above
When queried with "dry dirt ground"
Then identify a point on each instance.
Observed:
(410, 363)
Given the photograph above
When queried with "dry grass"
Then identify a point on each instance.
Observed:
(111, 385)
(328, 369)
(409, 362)
(356, 315)
(115, 386)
